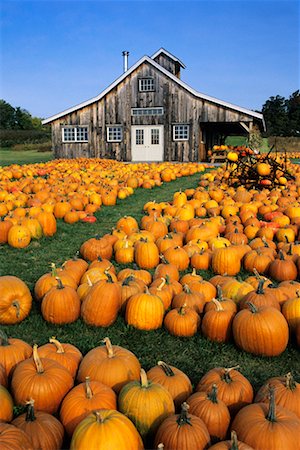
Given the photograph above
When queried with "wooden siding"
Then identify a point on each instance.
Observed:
(180, 106)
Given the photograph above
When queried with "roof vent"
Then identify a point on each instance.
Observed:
(125, 61)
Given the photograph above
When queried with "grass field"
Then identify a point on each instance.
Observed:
(194, 355)
(8, 157)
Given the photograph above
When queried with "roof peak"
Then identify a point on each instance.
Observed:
(163, 50)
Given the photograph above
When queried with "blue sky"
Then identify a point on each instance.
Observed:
(55, 54)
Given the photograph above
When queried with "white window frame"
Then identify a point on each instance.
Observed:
(108, 127)
(145, 81)
(137, 112)
(75, 127)
(185, 125)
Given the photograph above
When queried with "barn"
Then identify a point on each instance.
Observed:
(148, 114)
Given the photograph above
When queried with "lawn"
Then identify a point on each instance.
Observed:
(8, 157)
(194, 355)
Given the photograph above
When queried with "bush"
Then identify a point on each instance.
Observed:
(41, 147)
(9, 138)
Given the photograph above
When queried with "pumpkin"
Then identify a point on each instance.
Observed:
(7, 404)
(146, 254)
(3, 376)
(48, 280)
(95, 247)
(102, 303)
(267, 426)
(226, 303)
(257, 260)
(12, 351)
(213, 411)
(76, 268)
(173, 379)
(44, 430)
(12, 438)
(145, 311)
(146, 404)
(225, 260)
(16, 300)
(165, 268)
(65, 354)
(286, 390)
(190, 277)
(82, 400)
(129, 287)
(282, 269)
(261, 331)
(48, 223)
(178, 257)
(44, 380)
(19, 236)
(182, 321)
(106, 428)
(128, 224)
(5, 226)
(233, 388)
(291, 311)
(182, 431)
(217, 323)
(110, 364)
(189, 298)
(61, 304)
(260, 297)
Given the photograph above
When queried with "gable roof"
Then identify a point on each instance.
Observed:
(169, 75)
(162, 50)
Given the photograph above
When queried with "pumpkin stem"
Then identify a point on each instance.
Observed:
(88, 390)
(57, 344)
(183, 418)
(162, 284)
(160, 446)
(109, 348)
(234, 441)
(144, 379)
(226, 376)
(212, 395)
(218, 304)
(260, 287)
(252, 307)
(168, 279)
(281, 255)
(37, 360)
(290, 382)
(89, 281)
(109, 277)
(59, 283)
(16, 305)
(53, 270)
(271, 416)
(194, 272)
(219, 293)
(99, 419)
(167, 369)
(146, 291)
(128, 280)
(181, 310)
(187, 289)
(257, 275)
(3, 339)
(30, 417)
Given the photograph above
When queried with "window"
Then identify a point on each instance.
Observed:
(154, 136)
(75, 134)
(114, 133)
(139, 137)
(158, 111)
(146, 85)
(180, 132)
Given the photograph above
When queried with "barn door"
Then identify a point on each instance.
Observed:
(147, 142)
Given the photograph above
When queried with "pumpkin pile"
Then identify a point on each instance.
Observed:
(105, 399)
(33, 197)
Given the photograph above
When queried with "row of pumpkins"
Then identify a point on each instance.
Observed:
(33, 197)
(117, 405)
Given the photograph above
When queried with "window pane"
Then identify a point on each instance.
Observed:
(114, 134)
(181, 132)
(82, 134)
(147, 111)
(146, 84)
(139, 137)
(69, 134)
(154, 136)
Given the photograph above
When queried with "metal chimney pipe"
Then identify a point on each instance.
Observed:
(125, 61)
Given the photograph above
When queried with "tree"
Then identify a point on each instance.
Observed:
(293, 113)
(7, 116)
(276, 117)
(255, 138)
(22, 119)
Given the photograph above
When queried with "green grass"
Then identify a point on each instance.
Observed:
(242, 140)
(194, 355)
(8, 157)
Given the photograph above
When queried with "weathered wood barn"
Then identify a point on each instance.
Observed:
(148, 114)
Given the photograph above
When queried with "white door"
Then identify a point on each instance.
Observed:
(147, 142)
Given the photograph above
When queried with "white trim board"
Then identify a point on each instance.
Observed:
(169, 75)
